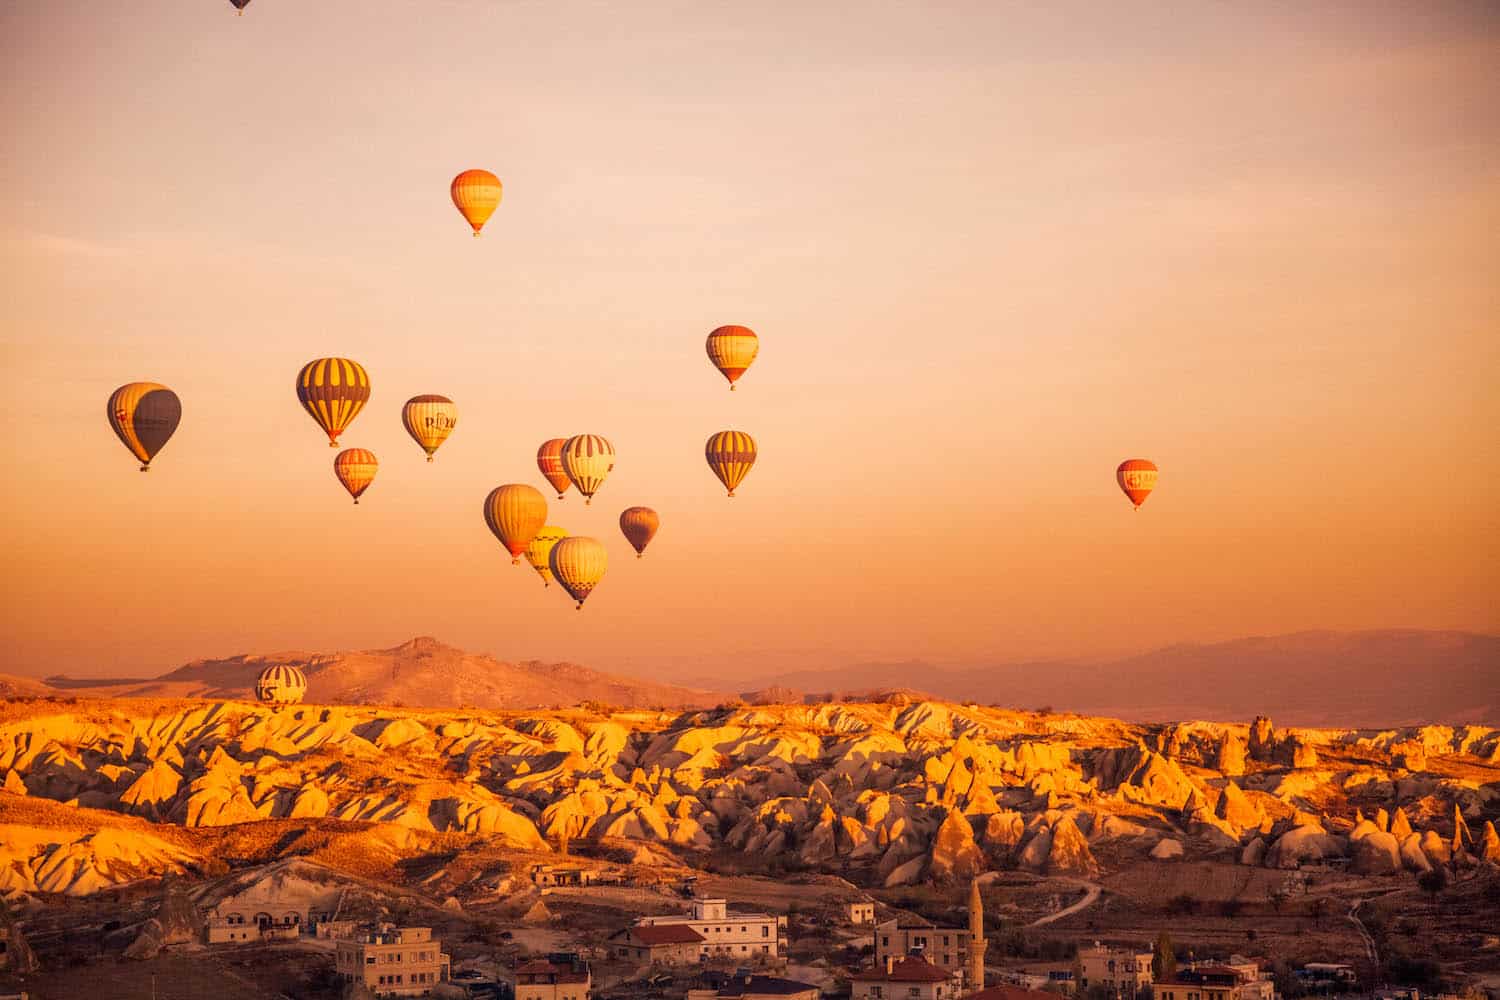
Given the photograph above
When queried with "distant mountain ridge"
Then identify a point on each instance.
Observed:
(420, 673)
(1369, 679)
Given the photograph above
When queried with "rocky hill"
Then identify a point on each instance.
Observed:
(1376, 678)
(421, 673)
(883, 794)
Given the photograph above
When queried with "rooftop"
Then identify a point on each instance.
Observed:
(913, 969)
(1010, 993)
(767, 986)
(652, 934)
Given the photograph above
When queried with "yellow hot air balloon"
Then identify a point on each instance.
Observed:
(1137, 478)
(578, 563)
(639, 526)
(549, 460)
(540, 548)
(356, 469)
(515, 513)
(732, 349)
(730, 455)
(333, 391)
(282, 684)
(476, 193)
(587, 459)
(429, 420)
(144, 416)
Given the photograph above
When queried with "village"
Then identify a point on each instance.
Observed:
(704, 947)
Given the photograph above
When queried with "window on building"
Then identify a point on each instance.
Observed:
(370, 960)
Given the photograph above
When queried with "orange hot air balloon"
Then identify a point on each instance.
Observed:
(730, 455)
(144, 416)
(732, 349)
(578, 563)
(549, 460)
(476, 193)
(356, 469)
(333, 391)
(1137, 477)
(639, 526)
(515, 513)
(429, 420)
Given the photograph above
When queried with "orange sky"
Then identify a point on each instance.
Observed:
(991, 250)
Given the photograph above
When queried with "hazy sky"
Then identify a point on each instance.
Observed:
(991, 250)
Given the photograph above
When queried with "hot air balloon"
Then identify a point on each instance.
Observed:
(515, 513)
(639, 526)
(240, 5)
(1137, 477)
(144, 415)
(579, 563)
(429, 420)
(549, 460)
(732, 349)
(282, 684)
(587, 459)
(356, 469)
(333, 391)
(730, 454)
(540, 548)
(477, 195)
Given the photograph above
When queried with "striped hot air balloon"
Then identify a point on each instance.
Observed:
(355, 468)
(333, 391)
(476, 194)
(587, 459)
(730, 455)
(639, 524)
(549, 460)
(578, 563)
(144, 416)
(732, 349)
(515, 513)
(540, 549)
(281, 684)
(240, 5)
(1137, 478)
(429, 420)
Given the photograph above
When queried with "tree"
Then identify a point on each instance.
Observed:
(1164, 959)
(1433, 882)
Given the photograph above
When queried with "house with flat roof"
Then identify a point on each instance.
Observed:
(1125, 970)
(726, 933)
(401, 962)
(861, 913)
(947, 948)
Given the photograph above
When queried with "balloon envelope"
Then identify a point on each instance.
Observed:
(578, 563)
(429, 420)
(587, 459)
(476, 194)
(549, 460)
(515, 513)
(1137, 478)
(355, 468)
(281, 684)
(144, 416)
(639, 526)
(540, 549)
(732, 349)
(730, 454)
(333, 391)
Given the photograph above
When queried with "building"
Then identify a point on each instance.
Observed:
(1125, 971)
(945, 947)
(557, 977)
(403, 962)
(744, 985)
(278, 901)
(564, 876)
(669, 944)
(1007, 992)
(726, 934)
(861, 913)
(1335, 976)
(1056, 977)
(909, 978)
(1239, 981)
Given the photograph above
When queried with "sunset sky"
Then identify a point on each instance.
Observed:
(991, 250)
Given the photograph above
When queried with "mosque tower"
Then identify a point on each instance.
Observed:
(977, 943)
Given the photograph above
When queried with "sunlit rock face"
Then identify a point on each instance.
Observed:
(885, 794)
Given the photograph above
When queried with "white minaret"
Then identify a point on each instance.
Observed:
(977, 943)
